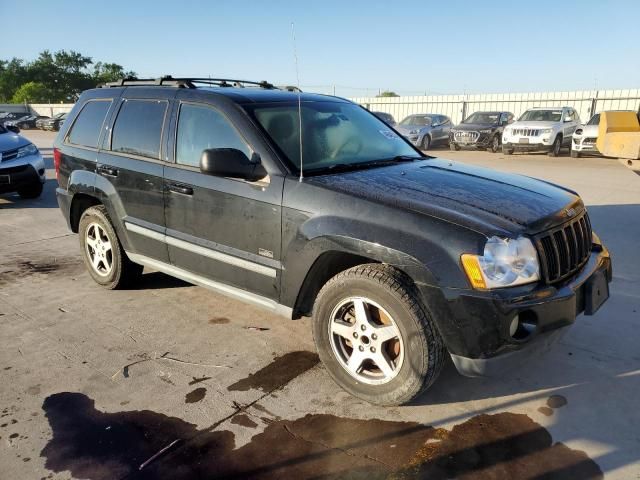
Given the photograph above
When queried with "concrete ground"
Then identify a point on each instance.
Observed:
(170, 380)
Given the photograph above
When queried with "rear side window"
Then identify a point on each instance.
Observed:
(138, 128)
(86, 129)
(201, 128)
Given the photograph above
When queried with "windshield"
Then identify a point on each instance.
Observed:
(333, 134)
(483, 117)
(541, 116)
(595, 120)
(419, 120)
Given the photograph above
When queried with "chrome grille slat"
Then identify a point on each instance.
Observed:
(565, 249)
(9, 155)
(526, 132)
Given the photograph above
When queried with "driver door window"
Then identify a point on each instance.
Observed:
(201, 128)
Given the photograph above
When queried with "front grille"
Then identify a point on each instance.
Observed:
(9, 155)
(466, 137)
(565, 249)
(590, 140)
(526, 132)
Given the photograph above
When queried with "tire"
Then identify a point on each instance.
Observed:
(556, 147)
(495, 144)
(416, 345)
(32, 191)
(25, 127)
(575, 154)
(113, 269)
(454, 146)
(426, 142)
(507, 151)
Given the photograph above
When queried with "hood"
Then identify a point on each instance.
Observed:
(534, 124)
(405, 129)
(11, 141)
(589, 130)
(474, 126)
(460, 193)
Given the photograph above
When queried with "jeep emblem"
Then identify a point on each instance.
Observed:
(570, 212)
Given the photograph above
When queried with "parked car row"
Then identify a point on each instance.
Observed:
(27, 121)
(540, 129)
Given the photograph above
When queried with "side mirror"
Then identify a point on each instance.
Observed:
(231, 163)
(12, 128)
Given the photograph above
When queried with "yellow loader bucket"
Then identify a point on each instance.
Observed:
(619, 135)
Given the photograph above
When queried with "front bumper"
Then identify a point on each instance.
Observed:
(579, 145)
(475, 324)
(532, 146)
(22, 172)
(483, 141)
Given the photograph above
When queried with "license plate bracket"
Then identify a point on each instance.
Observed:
(596, 292)
(523, 140)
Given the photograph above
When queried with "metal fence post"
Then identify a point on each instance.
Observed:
(464, 110)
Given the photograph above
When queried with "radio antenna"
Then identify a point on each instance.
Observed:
(295, 58)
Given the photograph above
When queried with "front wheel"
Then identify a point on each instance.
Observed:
(32, 191)
(103, 255)
(426, 142)
(555, 148)
(495, 144)
(374, 336)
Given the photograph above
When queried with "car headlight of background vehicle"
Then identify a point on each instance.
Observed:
(27, 150)
(546, 130)
(414, 132)
(486, 130)
(506, 262)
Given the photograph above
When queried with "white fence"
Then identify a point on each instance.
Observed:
(51, 109)
(458, 107)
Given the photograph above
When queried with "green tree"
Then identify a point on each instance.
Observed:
(13, 73)
(388, 94)
(109, 72)
(32, 92)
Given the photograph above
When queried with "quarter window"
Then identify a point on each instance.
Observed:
(138, 128)
(86, 129)
(201, 128)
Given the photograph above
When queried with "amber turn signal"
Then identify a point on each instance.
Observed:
(472, 269)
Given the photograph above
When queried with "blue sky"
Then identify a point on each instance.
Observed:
(411, 47)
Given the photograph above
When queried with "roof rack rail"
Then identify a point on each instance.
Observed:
(189, 82)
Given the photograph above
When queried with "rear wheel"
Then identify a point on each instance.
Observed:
(555, 148)
(374, 336)
(103, 255)
(426, 142)
(32, 191)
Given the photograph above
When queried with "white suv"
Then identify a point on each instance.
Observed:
(541, 129)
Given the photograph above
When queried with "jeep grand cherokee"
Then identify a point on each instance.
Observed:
(399, 258)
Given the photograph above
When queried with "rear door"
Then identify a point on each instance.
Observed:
(131, 170)
(223, 229)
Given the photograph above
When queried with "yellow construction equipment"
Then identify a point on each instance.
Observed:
(619, 137)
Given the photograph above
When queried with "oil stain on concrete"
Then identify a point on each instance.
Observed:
(279, 372)
(96, 445)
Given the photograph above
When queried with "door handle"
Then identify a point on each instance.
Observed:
(179, 188)
(106, 170)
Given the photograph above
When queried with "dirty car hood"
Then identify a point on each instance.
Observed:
(452, 191)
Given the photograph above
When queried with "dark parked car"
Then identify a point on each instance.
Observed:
(54, 123)
(28, 122)
(426, 130)
(480, 130)
(399, 258)
(7, 117)
(385, 117)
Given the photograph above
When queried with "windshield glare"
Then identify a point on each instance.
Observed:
(483, 117)
(541, 116)
(418, 120)
(332, 134)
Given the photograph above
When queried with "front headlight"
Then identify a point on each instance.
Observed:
(505, 262)
(27, 150)
(546, 130)
(486, 130)
(414, 132)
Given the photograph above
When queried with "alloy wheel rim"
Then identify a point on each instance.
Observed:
(99, 249)
(366, 340)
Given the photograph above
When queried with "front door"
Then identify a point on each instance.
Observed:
(223, 229)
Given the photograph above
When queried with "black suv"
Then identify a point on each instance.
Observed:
(480, 130)
(400, 258)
